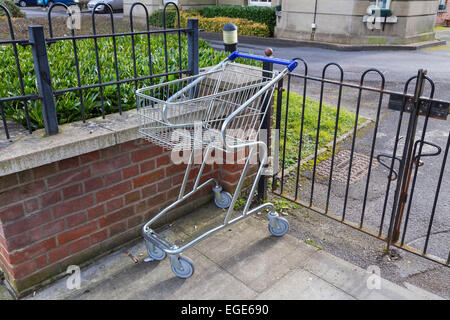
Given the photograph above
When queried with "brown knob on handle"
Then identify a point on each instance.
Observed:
(268, 52)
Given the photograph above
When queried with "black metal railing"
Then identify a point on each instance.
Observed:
(46, 93)
(315, 180)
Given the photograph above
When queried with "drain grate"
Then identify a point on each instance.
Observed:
(360, 166)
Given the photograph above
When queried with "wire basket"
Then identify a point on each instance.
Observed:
(191, 111)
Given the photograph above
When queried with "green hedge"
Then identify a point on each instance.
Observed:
(156, 19)
(263, 15)
(12, 8)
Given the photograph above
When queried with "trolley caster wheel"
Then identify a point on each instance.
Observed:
(183, 268)
(278, 226)
(225, 200)
(154, 252)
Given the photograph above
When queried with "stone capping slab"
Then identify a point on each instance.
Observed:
(74, 139)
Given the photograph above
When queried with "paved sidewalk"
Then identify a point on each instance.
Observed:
(241, 262)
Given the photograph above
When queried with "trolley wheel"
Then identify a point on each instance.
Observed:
(278, 226)
(154, 252)
(226, 200)
(185, 268)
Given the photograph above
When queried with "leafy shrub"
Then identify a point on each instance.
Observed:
(245, 27)
(12, 8)
(63, 73)
(156, 18)
(265, 15)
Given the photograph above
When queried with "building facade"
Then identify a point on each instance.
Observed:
(358, 21)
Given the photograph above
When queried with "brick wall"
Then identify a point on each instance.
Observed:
(74, 210)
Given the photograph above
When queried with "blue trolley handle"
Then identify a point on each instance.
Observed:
(291, 65)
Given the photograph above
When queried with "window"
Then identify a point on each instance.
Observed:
(442, 5)
(261, 3)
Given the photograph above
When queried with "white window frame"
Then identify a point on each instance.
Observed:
(260, 3)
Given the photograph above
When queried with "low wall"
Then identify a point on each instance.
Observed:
(70, 198)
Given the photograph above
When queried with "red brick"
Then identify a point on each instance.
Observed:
(45, 171)
(130, 172)
(31, 221)
(90, 157)
(17, 242)
(96, 212)
(23, 192)
(149, 191)
(53, 227)
(74, 205)
(99, 236)
(147, 165)
(113, 192)
(134, 221)
(36, 234)
(148, 178)
(25, 176)
(230, 177)
(163, 160)
(113, 178)
(76, 219)
(157, 200)
(116, 216)
(50, 199)
(174, 169)
(24, 269)
(93, 184)
(32, 251)
(164, 185)
(128, 146)
(79, 245)
(70, 163)
(110, 152)
(114, 204)
(31, 205)
(41, 261)
(77, 232)
(140, 155)
(178, 179)
(69, 177)
(11, 213)
(8, 181)
(72, 191)
(58, 254)
(132, 197)
(117, 228)
(110, 164)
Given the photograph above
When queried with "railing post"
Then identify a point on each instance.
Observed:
(193, 53)
(43, 79)
(266, 125)
(405, 170)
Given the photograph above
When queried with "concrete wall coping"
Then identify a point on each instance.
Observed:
(74, 139)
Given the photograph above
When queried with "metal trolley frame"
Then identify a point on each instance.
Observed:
(229, 98)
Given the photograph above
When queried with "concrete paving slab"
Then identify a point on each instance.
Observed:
(303, 285)
(358, 282)
(251, 254)
(244, 263)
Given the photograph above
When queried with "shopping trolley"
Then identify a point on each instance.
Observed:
(221, 109)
